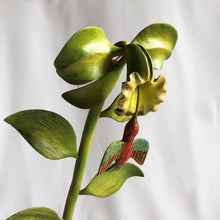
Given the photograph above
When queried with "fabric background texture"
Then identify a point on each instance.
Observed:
(182, 169)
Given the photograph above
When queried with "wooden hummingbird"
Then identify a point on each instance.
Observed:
(121, 151)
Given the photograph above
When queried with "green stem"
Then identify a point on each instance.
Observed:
(80, 165)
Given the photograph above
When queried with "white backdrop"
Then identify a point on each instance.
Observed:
(182, 170)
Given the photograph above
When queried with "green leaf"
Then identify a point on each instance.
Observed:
(96, 92)
(47, 132)
(38, 213)
(159, 41)
(86, 56)
(110, 182)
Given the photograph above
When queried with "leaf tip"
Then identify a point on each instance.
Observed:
(83, 192)
(7, 119)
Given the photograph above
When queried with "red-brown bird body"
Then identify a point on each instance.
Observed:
(130, 131)
(121, 151)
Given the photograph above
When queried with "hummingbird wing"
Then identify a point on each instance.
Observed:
(140, 149)
(112, 153)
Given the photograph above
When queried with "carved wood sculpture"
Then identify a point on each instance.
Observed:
(121, 151)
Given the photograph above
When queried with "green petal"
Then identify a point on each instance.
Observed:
(96, 92)
(159, 40)
(113, 111)
(110, 182)
(86, 56)
(126, 100)
(37, 213)
(138, 61)
(47, 132)
(140, 70)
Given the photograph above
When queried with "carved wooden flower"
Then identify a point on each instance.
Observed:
(147, 51)
(151, 94)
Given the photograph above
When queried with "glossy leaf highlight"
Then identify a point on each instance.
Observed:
(158, 40)
(86, 56)
(110, 182)
(38, 213)
(47, 132)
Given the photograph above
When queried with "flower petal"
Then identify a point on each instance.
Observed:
(96, 92)
(138, 60)
(150, 96)
(159, 40)
(86, 56)
(128, 89)
(113, 111)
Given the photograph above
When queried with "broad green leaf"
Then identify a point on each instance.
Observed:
(138, 61)
(110, 182)
(47, 132)
(96, 92)
(86, 56)
(38, 213)
(158, 40)
(150, 96)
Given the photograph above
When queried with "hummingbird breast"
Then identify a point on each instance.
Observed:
(125, 153)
